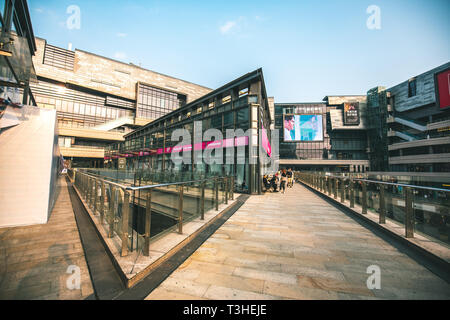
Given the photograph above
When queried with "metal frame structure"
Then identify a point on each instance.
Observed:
(15, 19)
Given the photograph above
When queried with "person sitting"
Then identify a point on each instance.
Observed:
(266, 183)
(273, 183)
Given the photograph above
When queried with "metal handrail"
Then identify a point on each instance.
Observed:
(147, 186)
(103, 180)
(331, 185)
(404, 185)
(392, 183)
(99, 176)
(89, 185)
(169, 184)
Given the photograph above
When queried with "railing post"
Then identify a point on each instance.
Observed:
(364, 198)
(148, 223)
(102, 203)
(342, 190)
(232, 188)
(112, 211)
(84, 186)
(329, 186)
(202, 201)
(409, 213)
(226, 189)
(91, 181)
(95, 196)
(125, 218)
(88, 191)
(217, 193)
(382, 206)
(352, 194)
(92, 196)
(336, 187)
(180, 209)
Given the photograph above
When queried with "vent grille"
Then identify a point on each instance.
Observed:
(59, 58)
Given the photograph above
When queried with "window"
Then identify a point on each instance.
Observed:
(155, 102)
(411, 88)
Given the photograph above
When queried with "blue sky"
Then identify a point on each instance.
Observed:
(307, 49)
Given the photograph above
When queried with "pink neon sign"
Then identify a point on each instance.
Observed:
(226, 143)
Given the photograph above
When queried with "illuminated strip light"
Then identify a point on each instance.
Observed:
(226, 143)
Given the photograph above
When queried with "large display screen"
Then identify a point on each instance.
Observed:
(303, 127)
(351, 113)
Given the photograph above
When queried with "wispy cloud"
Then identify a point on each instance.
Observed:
(121, 34)
(239, 26)
(39, 10)
(120, 55)
(227, 27)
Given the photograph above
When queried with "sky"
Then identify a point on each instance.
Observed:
(307, 49)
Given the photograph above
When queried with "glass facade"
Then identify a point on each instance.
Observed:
(154, 102)
(234, 106)
(78, 109)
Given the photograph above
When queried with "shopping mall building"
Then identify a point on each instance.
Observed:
(402, 129)
(98, 100)
(336, 142)
(232, 123)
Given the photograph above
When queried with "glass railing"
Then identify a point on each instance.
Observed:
(134, 215)
(421, 209)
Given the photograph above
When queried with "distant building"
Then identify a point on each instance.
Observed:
(337, 144)
(418, 121)
(377, 128)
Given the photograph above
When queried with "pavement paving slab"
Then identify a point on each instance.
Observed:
(297, 246)
(34, 260)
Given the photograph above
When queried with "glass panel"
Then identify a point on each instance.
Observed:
(432, 214)
(395, 203)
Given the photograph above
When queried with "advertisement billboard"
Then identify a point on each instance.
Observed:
(351, 113)
(303, 127)
(443, 89)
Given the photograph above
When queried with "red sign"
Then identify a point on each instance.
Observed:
(443, 89)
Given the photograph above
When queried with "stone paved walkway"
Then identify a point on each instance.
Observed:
(34, 259)
(296, 246)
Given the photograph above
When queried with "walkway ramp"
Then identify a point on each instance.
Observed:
(297, 246)
(34, 260)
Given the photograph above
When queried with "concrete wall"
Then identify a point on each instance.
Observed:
(29, 156)
(111, 76)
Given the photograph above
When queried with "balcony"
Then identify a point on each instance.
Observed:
(421, 158)
(419, 143)
(82, 152)
(69, 131)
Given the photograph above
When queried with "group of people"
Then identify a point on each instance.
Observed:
(279, 181)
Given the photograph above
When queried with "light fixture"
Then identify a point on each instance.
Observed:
(4, 52)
